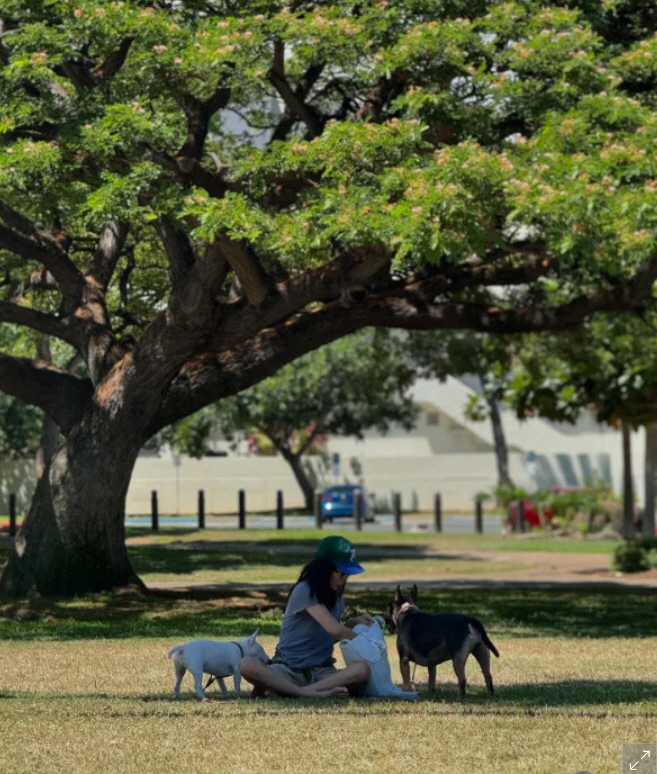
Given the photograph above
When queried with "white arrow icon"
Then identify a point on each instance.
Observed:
(632, 768)
(645, 752)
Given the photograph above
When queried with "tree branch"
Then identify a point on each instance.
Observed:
(110, 245)
(114, 61)
(24, 238)
(66, 330)
(198, 120)
(210, 377)
(190, 171)
(178, 250)
(294, 99)
(253, 279)
(61, 395)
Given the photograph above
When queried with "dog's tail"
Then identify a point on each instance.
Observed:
(485, 638)
(175, 650)
(487, 642)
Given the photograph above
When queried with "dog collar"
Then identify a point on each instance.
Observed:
(406, 606)
(241, 649)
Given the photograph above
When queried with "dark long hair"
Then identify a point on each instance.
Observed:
(317, 574)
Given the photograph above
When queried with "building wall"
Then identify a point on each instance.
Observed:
(458, 477)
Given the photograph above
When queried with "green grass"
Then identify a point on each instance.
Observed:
(85, 688)
(271, 539)
(197, 565)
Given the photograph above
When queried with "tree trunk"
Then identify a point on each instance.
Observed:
(628, 488)
(648, 521)
(501, 450)
(73, 538)
(294, 461)
(49, 440)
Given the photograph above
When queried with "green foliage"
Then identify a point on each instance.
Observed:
(437, 133)
(20, 428)
(507, 494)
(346, 388)
(580, 171)
(632, 556)
(611, 366)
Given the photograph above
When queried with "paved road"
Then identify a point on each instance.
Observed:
(452, 523)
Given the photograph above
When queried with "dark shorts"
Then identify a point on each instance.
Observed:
(303, 677)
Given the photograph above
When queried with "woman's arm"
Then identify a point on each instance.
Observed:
(329, 623)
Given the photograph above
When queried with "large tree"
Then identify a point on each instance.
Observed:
(423, 164)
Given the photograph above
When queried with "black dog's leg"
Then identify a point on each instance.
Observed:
(458, 662)
(405, 669)
(482, 654)
(432, 677)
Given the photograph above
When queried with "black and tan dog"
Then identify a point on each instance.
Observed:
(429, 640)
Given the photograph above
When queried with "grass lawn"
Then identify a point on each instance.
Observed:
(273, 539)
(85, 687)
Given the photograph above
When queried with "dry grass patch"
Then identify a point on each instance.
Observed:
(91, 706)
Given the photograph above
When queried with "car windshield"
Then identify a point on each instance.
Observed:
(338, 489)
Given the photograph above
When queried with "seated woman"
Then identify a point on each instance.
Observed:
(303, 664)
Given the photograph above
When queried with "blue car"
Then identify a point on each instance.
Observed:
(338, 500)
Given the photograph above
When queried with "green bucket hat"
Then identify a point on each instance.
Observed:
(341, 552)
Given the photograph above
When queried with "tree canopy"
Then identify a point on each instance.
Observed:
(195, 193)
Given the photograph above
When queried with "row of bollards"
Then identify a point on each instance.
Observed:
(520, 523)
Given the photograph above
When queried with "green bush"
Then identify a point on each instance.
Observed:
(632, 556)
(652, 557)
(507, 493)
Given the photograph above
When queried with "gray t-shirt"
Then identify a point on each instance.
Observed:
(304, 643)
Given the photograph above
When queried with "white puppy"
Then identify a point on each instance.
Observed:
(219, 659)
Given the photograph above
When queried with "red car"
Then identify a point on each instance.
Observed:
(532, 518)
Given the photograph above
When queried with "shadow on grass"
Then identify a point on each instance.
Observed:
(612, 612)
(182, 615)
(523, 699)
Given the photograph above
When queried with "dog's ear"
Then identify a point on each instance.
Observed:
(398, 595)
(252, 638)
(414, 593)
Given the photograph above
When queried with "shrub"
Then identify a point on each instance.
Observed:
(631, 557)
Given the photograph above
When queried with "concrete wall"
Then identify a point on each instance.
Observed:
(458, 477)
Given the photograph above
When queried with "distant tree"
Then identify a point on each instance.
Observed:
(609, 366)
(346, 388)
(488, 359)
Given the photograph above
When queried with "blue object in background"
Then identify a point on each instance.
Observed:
(338, 500)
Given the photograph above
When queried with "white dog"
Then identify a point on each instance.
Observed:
(370, 646)
(219, 659)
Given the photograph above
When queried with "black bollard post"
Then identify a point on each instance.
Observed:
(12, 515)
(438, 512)
(154, 514)
(479, 517)
(358, 510)
(522, 525)
(279, 510)
(318, 508)
(242, 509)
(201, 509)
(396, 504)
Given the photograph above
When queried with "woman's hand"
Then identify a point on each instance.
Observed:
(365, 618)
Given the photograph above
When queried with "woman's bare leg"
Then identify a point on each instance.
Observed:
(350, 678)
(266, 679)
